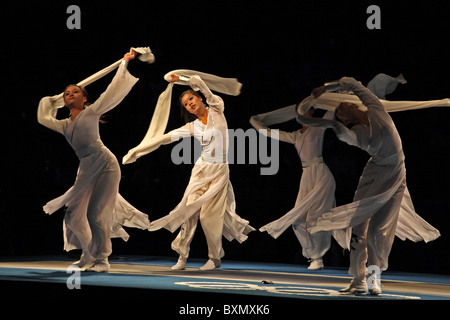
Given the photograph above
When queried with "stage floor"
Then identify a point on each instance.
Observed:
(147, 277)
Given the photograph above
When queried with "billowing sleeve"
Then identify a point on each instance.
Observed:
(154, 143)
(342, 132)
(261, 122)
(365, 95)
(47, 110)
(214, 101)
(117, 90)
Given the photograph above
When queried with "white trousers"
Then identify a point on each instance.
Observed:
(211, 216)
(372, 240)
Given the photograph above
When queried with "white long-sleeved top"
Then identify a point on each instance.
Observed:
(85, 132)
(380, 139)
(308, 144)
(213, 136)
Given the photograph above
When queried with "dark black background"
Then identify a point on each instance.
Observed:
(279, 50)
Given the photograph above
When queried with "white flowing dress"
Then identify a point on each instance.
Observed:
(382, 206)
(209, 195)
(317, 185)
(95, 211)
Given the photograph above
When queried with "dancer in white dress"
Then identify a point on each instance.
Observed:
(95, 211)
(209, 195)
(378, 201)
(317, 186)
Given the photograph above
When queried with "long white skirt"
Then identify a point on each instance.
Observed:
(215, 177)
(387, 177)
(315, 196)
(77, 232)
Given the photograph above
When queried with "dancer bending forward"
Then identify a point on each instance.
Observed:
(374, 214)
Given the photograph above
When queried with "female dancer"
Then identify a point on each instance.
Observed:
(95, 211)
(209, 195)
(375, 213)
(317, 186)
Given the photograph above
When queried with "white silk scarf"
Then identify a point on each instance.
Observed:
(158, 123)
(56, 102)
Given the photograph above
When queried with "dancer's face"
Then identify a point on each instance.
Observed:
(192, 103)
(74, 97)
(347, 113)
